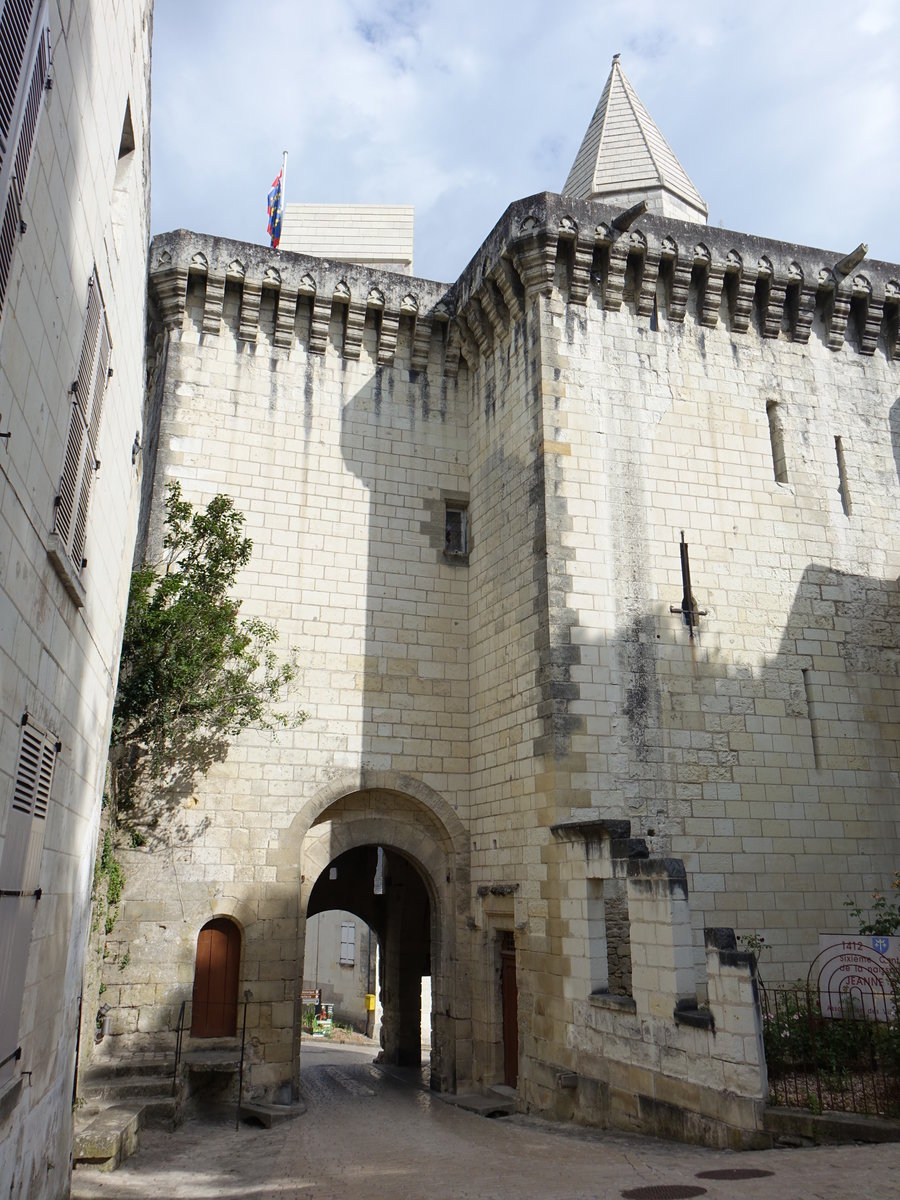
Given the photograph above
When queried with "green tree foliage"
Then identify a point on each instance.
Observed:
(193, 674)
(883, 917)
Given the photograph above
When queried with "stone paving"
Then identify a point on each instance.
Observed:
(368, 1135)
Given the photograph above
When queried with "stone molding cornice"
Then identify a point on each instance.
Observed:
(357, 293)
(548, 242)
(541, 245)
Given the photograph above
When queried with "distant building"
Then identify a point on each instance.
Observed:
(550, 768)
(74, 203)
(374, 235)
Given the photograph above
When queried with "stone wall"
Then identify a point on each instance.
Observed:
(583, 394)
(85, 209)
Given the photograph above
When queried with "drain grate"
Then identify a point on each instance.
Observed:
(735, 1173)
(665, 1191)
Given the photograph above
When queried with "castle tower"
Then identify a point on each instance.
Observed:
(624, 158)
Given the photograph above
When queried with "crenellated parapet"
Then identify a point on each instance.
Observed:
(665, 271)
(298, 296)
(668, 270)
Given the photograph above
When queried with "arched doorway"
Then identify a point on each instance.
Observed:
(386, 890)
(216, 975)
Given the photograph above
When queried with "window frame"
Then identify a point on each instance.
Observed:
(20, 891)
(81, 458)
(25, 63)
(347, 958)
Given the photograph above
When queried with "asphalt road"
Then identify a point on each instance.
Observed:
(368, 1134)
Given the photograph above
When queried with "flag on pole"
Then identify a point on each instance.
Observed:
(276, 208)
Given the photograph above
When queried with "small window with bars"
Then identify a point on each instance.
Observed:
(456, 531)
(348, 943)
(24, 75)
(81, 460)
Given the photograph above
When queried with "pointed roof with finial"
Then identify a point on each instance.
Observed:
(624, 158)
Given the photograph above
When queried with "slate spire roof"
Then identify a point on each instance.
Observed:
(624, 158)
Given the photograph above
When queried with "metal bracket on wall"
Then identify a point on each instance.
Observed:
(688, 607)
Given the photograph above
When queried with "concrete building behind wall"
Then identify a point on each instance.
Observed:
(375, 235)
(467, 503)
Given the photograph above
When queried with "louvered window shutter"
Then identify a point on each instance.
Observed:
(20, 865)
(81, 460)
(24, 70)
(348, 943)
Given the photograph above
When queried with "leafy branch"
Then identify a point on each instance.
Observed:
(193, 674)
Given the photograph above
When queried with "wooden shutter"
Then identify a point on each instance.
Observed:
(24, 70)
(348, 943)
(20, 865)
(81, 461)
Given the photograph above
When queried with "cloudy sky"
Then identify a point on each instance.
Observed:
(785, 113)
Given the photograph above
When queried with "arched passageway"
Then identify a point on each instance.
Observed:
(385, 889)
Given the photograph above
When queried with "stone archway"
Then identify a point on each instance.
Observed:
(424, 833)
(388, 892)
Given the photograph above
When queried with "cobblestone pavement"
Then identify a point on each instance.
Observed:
(368, 1135)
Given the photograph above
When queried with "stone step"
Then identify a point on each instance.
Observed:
(122, 1087)
(270, 1114)
(484, 1106)
(135, 1064)
(107, 1139)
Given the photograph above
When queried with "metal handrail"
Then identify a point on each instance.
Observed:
(179, 1035)
(237, 1118)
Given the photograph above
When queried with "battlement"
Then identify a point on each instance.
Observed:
(294, 282)
(668, 269)
(664, 270)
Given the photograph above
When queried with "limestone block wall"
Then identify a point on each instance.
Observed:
(584, 394)
(314, 394)
(713, 387)
(85, 208)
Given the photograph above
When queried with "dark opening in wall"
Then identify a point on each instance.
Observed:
(842, 477)
(456, 531)
(776, 437)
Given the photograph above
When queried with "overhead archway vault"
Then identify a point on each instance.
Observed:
(417, 915)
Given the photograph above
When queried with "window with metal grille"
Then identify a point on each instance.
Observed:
(456, 532)
(81, 461)
(20, 865)
(348, 943)
(24, 72)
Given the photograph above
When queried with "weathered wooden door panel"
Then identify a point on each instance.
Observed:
(509, 996)
(215, 1001)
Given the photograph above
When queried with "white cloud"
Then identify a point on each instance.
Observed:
(787, 117)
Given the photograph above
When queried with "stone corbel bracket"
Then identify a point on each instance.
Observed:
(608, 845)
(300, 296)
(659, 268)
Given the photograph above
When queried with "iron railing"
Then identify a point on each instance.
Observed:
(179, 1037)
(833, 1051)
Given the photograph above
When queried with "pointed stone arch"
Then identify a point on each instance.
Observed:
(406, 817)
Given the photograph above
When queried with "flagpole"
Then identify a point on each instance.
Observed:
(283, 181)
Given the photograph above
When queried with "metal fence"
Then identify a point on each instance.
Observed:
(833, 1049)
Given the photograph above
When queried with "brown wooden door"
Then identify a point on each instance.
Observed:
(214, 1008)
(509, 995)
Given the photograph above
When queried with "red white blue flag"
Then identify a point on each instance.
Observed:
(276, 209)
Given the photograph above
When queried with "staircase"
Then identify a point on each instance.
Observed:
(119, 1097)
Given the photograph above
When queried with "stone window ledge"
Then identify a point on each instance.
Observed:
(614, 1003)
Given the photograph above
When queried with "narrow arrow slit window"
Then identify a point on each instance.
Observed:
(81, 460)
